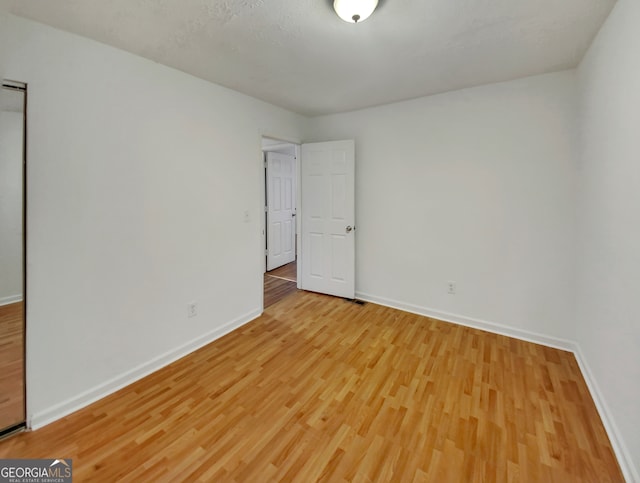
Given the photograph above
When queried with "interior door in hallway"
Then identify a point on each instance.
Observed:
(281, 209)
(328, 218)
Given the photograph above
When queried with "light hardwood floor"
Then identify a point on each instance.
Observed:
(11, 364)
(321, 389)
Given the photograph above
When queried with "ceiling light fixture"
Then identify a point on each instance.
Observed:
(354, 11)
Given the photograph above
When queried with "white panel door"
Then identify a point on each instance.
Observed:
(328, 218)
(281, 210)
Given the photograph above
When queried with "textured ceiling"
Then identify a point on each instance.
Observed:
(299, 55)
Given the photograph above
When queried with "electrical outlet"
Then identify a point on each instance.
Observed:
(451, 286)
(192, 309)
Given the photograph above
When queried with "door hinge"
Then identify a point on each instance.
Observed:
(266, 253)
(265, 165)
(266, 209)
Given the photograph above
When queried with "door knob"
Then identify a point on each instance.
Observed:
(349, 228)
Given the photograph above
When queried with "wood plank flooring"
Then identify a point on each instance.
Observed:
(279, 283)
(11, 364)
(321, 389)
(287, 272)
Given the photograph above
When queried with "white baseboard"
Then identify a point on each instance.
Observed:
(630, 472)
(493, 327)
(100, 391)
(10, 299)
(623, 455)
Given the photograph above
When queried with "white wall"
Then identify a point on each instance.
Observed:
(608, 329)
(474, 186)
(3, 32)
(11, 126)
(139, 176)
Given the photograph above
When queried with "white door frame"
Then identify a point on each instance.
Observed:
(262, 191)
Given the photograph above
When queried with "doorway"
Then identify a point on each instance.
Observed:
(13, 101)
(280, 232)
(325, 231)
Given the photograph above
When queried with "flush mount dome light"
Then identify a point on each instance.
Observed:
(354, 11)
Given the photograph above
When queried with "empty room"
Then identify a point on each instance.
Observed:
(320, 240)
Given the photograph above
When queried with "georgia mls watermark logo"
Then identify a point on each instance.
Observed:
(36, 471)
